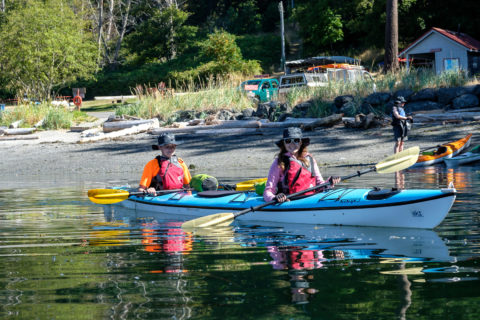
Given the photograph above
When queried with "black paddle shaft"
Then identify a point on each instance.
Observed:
(357, 174)
(139, 193)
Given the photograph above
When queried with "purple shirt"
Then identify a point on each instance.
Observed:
(276, 174)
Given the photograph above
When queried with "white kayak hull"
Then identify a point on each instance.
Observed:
(427, 212)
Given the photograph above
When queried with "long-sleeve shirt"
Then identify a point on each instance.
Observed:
(276, 174)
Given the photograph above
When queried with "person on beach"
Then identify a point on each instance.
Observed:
(294, 169)
(399, 123)
(166, 171)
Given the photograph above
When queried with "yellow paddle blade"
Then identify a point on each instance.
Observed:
(107, 196)
(218, 219)
(398, 161)
(249, 184)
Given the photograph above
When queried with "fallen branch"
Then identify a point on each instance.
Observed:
(135, 129)
(5, 138)
(324, 122)
(120, 125)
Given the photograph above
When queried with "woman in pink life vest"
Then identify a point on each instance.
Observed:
(294, 169)
(166, 171)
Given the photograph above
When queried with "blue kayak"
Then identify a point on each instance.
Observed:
(416, 208)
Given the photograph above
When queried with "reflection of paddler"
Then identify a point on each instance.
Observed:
(291, 258)
(300, 286)
(172, 240)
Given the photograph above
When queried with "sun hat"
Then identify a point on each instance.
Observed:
(293, 133)
(164, 139)
(400, 100)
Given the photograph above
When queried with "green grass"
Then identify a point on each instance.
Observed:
(212, 97)
(54, 117)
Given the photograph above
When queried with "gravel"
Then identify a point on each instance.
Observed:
(55, 154)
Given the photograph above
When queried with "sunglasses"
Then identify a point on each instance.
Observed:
(296, 140)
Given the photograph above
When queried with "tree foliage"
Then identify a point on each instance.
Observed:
(44, 45)
(320, 25)
(151, 41)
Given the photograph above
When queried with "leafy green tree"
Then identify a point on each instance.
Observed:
(44, 46)
(244, 18)
(221, 56)
(320, 25)
(153, 41)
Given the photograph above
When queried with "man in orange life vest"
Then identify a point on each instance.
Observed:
(167, 171)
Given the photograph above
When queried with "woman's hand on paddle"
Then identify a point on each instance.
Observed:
(281, 197)
(334, 180)
(150, 191)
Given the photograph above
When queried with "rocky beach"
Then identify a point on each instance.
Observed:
(56, 153)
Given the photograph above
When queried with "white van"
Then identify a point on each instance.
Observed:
(323, 77)
(289, 81)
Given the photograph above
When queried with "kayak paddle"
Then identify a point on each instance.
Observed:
(110, 196)
(393, 163)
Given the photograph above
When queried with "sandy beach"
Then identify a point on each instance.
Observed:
(55, 152)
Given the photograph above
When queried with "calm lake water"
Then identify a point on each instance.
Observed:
(62, 257)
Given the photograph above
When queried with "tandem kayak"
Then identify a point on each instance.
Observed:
(442, 152)
(467, 157)
(357, 207)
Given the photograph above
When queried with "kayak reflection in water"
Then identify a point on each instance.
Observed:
(294, 169)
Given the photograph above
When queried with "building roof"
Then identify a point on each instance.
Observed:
(461, 38)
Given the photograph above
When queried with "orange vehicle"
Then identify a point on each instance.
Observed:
(442, 152)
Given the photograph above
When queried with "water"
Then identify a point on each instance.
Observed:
(62, 257)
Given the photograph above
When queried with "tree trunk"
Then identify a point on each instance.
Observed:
(391, 37)
(100, 29)
(110, 19)
(3, 5)
(122, 31)
(173, 46)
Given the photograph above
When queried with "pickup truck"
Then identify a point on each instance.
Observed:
(261, 90)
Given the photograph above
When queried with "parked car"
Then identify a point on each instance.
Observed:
(319, 76)
(261, 90)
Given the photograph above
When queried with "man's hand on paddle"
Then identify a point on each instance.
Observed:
(150, 191)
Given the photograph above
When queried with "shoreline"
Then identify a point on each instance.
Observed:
(246, 156)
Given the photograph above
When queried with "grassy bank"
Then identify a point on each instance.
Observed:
(216, 95)
(55, 117)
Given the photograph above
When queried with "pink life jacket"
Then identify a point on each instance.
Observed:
(298, 177)
(170, 175)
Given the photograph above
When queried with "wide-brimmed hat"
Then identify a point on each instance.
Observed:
(400, 100)
(164, 139)
(293, 133)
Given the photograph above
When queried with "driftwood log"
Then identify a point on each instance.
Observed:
(115, 134)
(15, 124)
(87, 125)
(324, 122)
(18, 131)
(437, 117)
(22, 137)
(238, 124)
(120, 125)
(362, 121)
